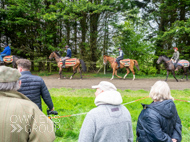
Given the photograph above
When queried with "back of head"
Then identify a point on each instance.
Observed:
(6, 44)
(160, 91)
(24, 63)
(9, 78)
(105, 86)
(67, 46)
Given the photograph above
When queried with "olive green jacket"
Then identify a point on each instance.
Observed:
(176, 56)
(22, 121)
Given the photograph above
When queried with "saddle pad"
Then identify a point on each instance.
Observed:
(8, 59)
(125, 62)
(184, 63)
(70, 62)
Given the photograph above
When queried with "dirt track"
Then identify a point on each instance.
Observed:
(53, 82)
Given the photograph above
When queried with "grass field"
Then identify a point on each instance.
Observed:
(76, 101)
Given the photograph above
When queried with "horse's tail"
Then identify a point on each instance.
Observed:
(83, 65)
(136, 64)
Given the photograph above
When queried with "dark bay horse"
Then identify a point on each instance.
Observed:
(13, 62)
(75, 67)
(111, 60)
(170, 67)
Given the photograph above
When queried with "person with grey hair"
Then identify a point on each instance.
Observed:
(21, 120)
(109, 121)
(159, 121)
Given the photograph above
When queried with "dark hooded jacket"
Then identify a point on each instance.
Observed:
(159, 122)
(34, 88)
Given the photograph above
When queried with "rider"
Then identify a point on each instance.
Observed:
(6, 51)
(68, 56)
(120, 57)
(175, 56)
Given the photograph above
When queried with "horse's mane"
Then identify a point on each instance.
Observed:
(165, 56)
(57, 53)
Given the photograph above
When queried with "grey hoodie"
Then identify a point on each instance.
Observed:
(109, 122)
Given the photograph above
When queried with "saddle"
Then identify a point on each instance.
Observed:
(68, 62)
(125, 62)
(8, 59)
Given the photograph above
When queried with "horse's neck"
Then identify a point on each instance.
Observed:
(57, 58)
(165, 59)
(111, 60)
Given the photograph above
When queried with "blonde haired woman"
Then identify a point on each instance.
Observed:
(159, 121)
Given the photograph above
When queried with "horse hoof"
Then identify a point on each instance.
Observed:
(71, 77)
(59, 78)
(123, 78)
(111, 79)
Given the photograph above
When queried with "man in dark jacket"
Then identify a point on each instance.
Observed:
(6, 51)
(159, 121)
(33, 86)
(68, 56)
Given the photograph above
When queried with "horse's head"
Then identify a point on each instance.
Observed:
(159, 60)
(105, 60)
(52, 55)
(162, 58)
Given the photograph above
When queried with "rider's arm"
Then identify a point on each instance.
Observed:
(177, 56)
(120, 54)
(4, 51)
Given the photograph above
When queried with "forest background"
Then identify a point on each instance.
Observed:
(144, 29)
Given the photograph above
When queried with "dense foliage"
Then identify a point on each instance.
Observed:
(144, 29)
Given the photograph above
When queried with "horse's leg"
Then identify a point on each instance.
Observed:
(117, 75)
(126, 73)
(60, 73)
(185, 72)
(113, 74)
(173, 72)
(132, 70)
(74, 71)
(80, 72)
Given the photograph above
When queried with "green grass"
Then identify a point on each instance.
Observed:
(75, 101)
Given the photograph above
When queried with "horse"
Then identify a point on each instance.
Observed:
(10, 59)
(170, 67)
(75, 67)
(113, 63)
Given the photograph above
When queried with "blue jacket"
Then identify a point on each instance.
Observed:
(69, 53)
(7, 50)
(34, 87)
(159, 122)
(120, 54)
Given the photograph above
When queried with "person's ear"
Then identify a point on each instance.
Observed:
(20, 82)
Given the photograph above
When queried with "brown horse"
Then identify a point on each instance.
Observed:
(75, 67)
(113, 63)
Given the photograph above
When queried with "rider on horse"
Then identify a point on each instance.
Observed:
(6, 51)
(120, 57)
(68, 56)
(175, 56)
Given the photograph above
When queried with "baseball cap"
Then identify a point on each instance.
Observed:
(105, 86)
(8, 74)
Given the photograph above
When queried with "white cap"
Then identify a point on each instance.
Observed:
(105, 86)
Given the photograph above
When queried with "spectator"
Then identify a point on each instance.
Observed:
(159, 121)
(33, 86)
(21, 120)
(109, 121)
